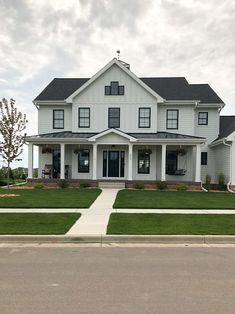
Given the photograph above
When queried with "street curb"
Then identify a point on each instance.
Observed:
(160, 239)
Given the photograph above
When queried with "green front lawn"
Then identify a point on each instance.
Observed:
(36, 223)
(49, 198)
(176, 199)
(170, 224)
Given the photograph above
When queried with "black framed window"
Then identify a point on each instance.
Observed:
(203, 158)
(171, 162)
(114, 118)
(203, 118)
(144, 117)
(172, 118)
(83, 117)
(114, 89)
(143, 162)
(84, 160)
(58, 119)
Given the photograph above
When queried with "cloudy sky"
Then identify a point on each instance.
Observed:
(43, 39)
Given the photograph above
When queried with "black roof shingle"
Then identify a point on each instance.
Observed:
(170, 88)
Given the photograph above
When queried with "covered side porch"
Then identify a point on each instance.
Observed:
(114, 155)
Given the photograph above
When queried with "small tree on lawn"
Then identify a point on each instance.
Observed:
(12, 125)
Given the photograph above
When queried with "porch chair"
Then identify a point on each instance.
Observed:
(47, 171)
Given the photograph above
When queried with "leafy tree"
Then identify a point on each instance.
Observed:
(12, 125)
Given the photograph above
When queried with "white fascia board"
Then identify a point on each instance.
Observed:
(49, 102)
(205, 105)
(171, 141)
(104, 69)
(109, 131)
(229, 138)
(181, 102)
(35, 140)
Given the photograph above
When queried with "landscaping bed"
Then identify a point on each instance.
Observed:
(49, 198)
(36, 224)
(171, 224)
(174, 199)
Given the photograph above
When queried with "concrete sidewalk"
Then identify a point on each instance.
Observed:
(94, 221)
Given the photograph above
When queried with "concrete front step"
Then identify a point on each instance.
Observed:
(111, 185)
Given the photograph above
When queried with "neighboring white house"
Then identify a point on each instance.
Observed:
(116, 126)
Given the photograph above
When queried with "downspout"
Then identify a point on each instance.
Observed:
(230, 166)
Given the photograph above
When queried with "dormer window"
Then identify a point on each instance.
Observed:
(114, 89)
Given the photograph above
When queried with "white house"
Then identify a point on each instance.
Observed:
(117, 126)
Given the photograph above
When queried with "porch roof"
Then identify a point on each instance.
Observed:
(68, 136)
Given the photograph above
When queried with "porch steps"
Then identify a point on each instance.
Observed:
(111, 185)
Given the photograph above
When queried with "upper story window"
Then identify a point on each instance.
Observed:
(114, 118)
(114, 89)
(58, 119)
(83, 117)
(172, 118)
(144, 117)
(203, 118)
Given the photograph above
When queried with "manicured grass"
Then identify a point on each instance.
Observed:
(36, 223)
(171, 199)
(49, 198)
(150, 224)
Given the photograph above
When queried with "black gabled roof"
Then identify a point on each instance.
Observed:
(61, 88)
(170, 88)
(226, 127)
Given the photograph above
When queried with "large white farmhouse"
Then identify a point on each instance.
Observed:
(116, 126)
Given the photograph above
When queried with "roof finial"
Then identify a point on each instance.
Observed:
(118, 54)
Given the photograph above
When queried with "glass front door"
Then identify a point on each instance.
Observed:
(56, 163)
(113, 164)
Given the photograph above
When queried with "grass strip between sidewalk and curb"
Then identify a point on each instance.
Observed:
(49, 198)
(36, 224)
(174, 199)
(171, 224)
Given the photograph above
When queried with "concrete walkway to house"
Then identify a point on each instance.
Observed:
(94, 220)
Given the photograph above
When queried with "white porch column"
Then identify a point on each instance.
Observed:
(62, 160)
(130, 161)
(163, 165)
(94, 172)
(30, 161)
(198, 163)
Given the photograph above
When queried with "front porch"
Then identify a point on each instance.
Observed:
(117, 162)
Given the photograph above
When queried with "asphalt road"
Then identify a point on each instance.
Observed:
(117, 280)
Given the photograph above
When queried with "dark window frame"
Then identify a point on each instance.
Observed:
(109, 117)
(169, 172)
(202, 119)
(204, 158)
(89, 118)
(88, 168)
(109, 92)
(138, 165)
(149, 118)
(54, 120)
(167, 119)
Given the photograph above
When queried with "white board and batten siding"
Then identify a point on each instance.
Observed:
(135, 96)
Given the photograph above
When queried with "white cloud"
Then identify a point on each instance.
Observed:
(43, 39)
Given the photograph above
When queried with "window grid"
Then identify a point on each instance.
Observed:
(114, 89)
(144, 117)
(58, 119)
(203, 118)
(114, 118)
(172, 119)
(84, 117)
